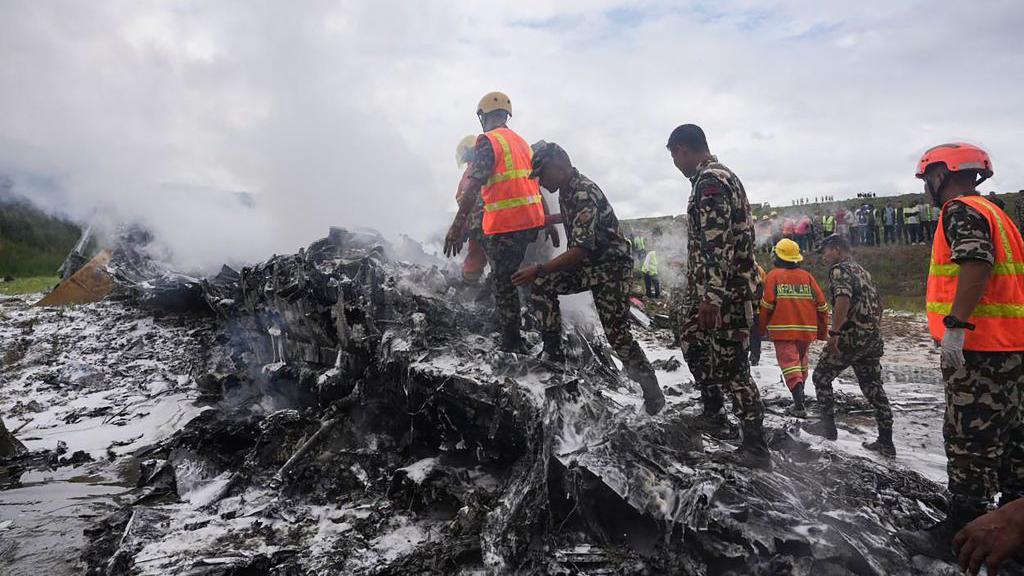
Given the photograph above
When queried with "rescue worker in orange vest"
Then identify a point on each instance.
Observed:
(475, 262)
(793, 314)
(514, 210)
(975, 305)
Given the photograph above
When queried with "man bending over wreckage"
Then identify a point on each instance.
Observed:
(597, 259)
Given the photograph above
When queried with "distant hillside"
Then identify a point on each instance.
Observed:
(32, 243)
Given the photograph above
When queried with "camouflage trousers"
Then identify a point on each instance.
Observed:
(505, 253)
(983, 428)
(868, 369)
(697, 355)
(721, 361)
(609, 284)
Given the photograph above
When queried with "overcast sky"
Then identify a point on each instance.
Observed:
(349, 112)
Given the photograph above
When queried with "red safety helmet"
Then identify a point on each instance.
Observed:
(957, 156)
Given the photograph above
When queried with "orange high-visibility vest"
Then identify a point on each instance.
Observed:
(512, 200)
(999, 317)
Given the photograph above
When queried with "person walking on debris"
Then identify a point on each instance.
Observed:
(975, 305)
(597, 259)
(854, 339)
(722, 283)
(652, 285)
(793, 314)
(513, 209)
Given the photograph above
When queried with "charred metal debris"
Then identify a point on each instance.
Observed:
(365, 423)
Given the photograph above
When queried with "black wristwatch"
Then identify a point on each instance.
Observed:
(541, 272)
(833, 333)
(952, 322)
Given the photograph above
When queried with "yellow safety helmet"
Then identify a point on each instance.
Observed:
(464, 151)
(788, 251)
(765, 217)
(494, 101)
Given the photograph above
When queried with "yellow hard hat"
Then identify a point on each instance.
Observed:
(494, 101)
(765, 217)
(464, 150)
(788, 251)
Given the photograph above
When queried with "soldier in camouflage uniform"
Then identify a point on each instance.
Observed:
(722, 281)
(855, 339)
(597, 259)
(983, 427)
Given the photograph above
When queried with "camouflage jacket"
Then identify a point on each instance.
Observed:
(967, 232)
(590, 222)
(861, 329)
(721, 266)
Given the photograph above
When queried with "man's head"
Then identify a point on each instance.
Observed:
(834, 248)
(689, 147)
(493, 110)
(951, 170)
(551, 165)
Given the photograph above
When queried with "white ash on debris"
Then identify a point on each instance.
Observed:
(366, 424)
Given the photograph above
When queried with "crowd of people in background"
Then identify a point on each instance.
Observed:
(873, 223)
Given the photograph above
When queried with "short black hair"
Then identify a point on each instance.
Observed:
(780, 263)
(689, 135)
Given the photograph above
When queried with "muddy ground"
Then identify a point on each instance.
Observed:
(153, 453)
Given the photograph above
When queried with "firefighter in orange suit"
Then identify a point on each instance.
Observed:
(975, 305)
(793, 314)
(514, 211)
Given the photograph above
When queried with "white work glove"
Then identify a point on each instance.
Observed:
(953, 348)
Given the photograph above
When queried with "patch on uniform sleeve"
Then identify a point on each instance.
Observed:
(584, 217)
(710, 189)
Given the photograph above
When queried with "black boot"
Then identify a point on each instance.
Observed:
(512, 341)
(883, 445)
(826, 427)
(552, 351)
(937, 541)
(713, 419)
(798, 410)
(753, 453)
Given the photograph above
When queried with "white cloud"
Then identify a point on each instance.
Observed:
(348, 112)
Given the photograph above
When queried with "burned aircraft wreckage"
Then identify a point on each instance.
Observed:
(363, 422)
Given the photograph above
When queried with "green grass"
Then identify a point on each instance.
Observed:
(32, 242)
(28, 285)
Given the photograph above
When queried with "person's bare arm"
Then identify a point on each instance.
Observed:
(839, 315)
(970, 287)
(567, 260)
(549, 227)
